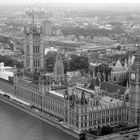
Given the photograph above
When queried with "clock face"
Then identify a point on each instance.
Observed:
(133, 76)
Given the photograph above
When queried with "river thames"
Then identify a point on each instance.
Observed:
(17, 125)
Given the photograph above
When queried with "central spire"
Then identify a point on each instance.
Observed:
(59, 68)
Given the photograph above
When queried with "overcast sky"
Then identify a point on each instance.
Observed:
(7, 2)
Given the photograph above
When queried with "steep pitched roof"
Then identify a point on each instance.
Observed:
(118, 67)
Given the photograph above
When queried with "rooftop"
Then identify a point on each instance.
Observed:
(88, 90)
(118, 67)
(112, 88)
(106, 100)
(56, 93)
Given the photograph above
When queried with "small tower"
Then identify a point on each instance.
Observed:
(126, 65)
(129, 60)
(59, 76)
(97, 85)
(46, 28)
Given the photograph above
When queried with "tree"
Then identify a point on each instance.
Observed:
(50, 60)
(10, 61)
(118, 47)
(103, 68)
(66, 65)
(79, 63)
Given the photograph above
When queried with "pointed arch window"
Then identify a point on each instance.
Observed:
(115, 78)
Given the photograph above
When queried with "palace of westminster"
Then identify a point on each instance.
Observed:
(78, 106)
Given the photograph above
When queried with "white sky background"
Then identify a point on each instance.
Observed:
(13, 2)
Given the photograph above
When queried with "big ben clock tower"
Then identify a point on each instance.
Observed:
(134, 97)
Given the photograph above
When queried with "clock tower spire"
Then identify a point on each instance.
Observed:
(134, 97)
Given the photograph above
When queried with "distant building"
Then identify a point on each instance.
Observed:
(46, 28)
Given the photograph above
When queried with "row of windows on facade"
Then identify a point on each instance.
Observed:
(96, 115)
(108, 112)
(101, 112)
(102, 121)
(36, 49)
(112, 119)
(94, 103)
(48, 103)
(59, 70)
(36, 63)
(59, 112)
(51, 102)
(28, 96)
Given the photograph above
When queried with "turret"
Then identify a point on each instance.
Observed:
(104, 76)
(126, 65)
(129, 61)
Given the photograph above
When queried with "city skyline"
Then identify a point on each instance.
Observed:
(16, 2)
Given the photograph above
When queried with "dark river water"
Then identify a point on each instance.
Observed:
(17, 125)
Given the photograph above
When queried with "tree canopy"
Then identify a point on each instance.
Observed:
(50, 60)
(78, 63)
(103, 68)
(10, 62)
